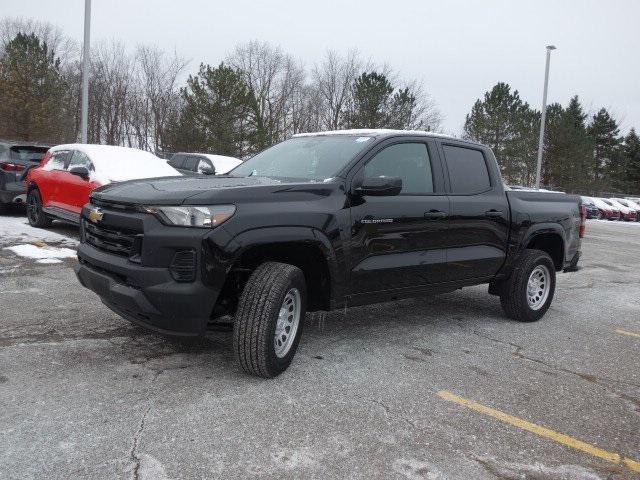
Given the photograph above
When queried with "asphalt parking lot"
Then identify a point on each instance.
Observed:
(434, 388)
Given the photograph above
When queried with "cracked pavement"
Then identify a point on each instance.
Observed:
(84, 394)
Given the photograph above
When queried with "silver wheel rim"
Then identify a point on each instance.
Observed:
(538, 287)
(287, 324)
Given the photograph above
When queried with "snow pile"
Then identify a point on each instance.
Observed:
(117, 164)
(45, 254)
(17, 229)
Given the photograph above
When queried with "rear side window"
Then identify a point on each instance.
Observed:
(468, 171)
(191, 163)
(409, 161)
(176, 161)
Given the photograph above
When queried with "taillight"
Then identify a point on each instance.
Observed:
(583, 220)
(11, 167)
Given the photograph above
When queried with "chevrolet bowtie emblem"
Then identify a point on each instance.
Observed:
(95, 215)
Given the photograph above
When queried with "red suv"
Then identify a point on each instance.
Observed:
(60, 186)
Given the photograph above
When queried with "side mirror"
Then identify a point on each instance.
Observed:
(207, 171)
(380, 186)
(80, 171)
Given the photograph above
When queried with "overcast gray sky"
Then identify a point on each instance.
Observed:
(457, 48)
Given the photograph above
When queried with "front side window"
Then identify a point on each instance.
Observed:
(58, 160)
(409, 161)
(468, 171)
(312, 158)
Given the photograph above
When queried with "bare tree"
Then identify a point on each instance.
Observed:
(110, 86)
(274, 78)
(157, 95)
(333, 79)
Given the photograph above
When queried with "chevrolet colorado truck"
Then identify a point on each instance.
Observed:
(319, 222)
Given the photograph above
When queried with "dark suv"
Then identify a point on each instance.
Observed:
(16, 158)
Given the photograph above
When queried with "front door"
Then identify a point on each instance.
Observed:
(77, 189)
(398, 242)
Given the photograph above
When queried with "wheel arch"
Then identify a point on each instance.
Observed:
(305, 247)
(550, 239)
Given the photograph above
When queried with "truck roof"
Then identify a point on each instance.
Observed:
(376, 132)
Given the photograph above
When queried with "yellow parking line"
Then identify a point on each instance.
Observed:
(542, 431)
(624, 332)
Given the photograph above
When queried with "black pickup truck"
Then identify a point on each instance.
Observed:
(319, 222)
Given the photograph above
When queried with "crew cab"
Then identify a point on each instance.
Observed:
(60, 186)
(319, 222)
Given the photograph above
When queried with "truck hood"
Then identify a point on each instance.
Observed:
(199, 190)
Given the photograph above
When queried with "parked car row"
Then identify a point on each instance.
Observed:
(627, 209)
(55, 182)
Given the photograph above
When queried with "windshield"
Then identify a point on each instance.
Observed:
(304, 158)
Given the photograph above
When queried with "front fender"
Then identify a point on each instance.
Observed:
(286, 234)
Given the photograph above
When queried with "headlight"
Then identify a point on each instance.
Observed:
(193, 216)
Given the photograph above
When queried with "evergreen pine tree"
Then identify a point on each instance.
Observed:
(607, 157)
(370, 101)
(509, 126)
(33, 93)
(631, 151)
(568, 148)
(213, 117)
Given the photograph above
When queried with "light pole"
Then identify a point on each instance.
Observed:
(544, 114)
(85, 71)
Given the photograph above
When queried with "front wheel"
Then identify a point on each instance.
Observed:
(527, 294)
(35, 215)
(269, 319)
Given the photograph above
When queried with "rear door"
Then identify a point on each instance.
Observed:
(397, 242)
(479, 221)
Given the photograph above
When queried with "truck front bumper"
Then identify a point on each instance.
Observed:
(149, 297)
(164, 278)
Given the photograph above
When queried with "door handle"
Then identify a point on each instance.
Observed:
(434, 214)
(493, 213)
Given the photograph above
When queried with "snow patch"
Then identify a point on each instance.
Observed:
(46, 253)
(14, 229)
(48, 261)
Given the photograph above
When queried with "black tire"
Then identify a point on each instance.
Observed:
(255, 321)
(3, 208)
(37, 218)
(513, 295)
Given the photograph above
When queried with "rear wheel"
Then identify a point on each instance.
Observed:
(269, 319)
(35, 215)
(528, 293)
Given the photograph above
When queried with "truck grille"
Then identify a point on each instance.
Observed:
(126, 243)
